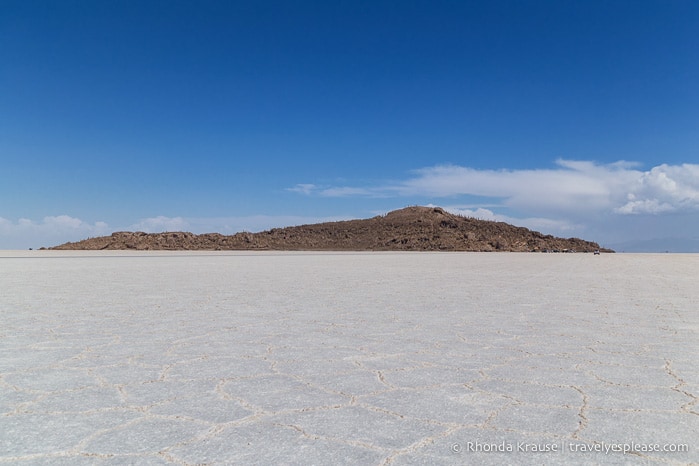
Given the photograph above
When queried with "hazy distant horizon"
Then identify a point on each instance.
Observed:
(651, 245)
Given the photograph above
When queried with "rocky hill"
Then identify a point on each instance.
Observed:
(409, 229)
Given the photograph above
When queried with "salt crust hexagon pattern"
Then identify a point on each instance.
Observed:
(353, 358)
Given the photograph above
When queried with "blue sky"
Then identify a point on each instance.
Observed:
(571, 118)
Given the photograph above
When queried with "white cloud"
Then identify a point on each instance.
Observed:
(548, 225)
(665, 188)
(644, 206)
(225, 225)
(573, 186)
(303, 188)
(254, 223)
(160, 224)
(345, 191)
(52, 230)
(335, 191)
(479, 212)
(63, 222)
(602, 202)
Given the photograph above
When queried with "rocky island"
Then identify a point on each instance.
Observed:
(409, 229)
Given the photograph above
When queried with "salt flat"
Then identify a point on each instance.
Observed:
(348, 358)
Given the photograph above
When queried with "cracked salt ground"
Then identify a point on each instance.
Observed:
(352, 358)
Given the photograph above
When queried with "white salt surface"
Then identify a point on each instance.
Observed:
(348, 358)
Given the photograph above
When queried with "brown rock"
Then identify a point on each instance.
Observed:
(409, 229)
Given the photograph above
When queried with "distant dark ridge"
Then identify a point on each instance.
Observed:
(409, 229)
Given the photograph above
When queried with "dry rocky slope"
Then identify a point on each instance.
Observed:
(409, 229)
